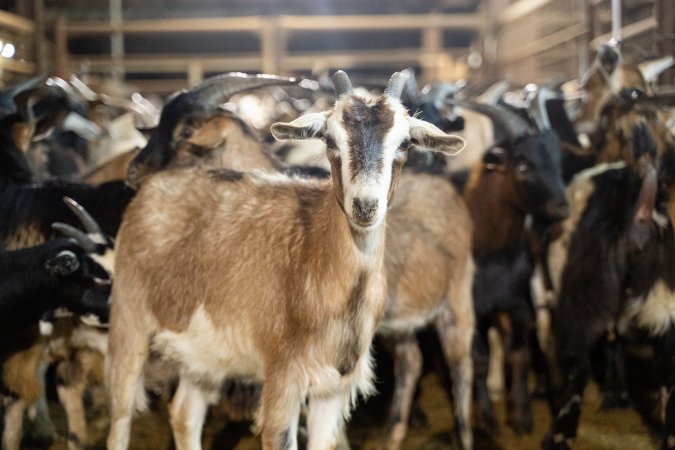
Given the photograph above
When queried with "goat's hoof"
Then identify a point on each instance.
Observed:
(418, 419)
(668, 443)
(521, 422)
(615, 400)
(555, 442)
(486, 423)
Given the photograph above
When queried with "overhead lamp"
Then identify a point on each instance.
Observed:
(8, 50)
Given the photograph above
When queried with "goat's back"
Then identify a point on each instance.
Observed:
(428, 245)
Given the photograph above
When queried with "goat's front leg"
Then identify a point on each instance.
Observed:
(407, 370)
(615, 390)
(73, 375)
(455, 326)
(564, 428)
(11, 437)
(325, 424)
(486, 421)
(668, 364)
(188, 411)
(280, 411)
(520, 415)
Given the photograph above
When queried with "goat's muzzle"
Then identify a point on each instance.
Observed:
(364, 211)
(557, 211)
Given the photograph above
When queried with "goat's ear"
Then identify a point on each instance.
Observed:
(305, 127)
(652, 69)
(429, 137)
(494, 158)
(641, 227)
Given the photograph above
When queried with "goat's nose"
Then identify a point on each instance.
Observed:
(559, 210)
(132, 176)
(364, 209)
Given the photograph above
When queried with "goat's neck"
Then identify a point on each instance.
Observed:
(499, 225)
(243, 151)
(331, 241)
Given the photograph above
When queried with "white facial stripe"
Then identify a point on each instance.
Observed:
(369, 186)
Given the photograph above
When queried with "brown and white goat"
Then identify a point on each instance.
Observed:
(429, 277)
(286, 273)
(430, 269)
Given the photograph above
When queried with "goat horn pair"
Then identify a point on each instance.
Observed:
(85, 240)
(216, 90)
(343, 85)
(509, 122)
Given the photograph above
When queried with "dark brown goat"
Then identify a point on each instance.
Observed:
(615, 255)
(516, 178)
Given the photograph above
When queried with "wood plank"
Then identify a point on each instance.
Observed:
(189, 25)
(540, 45)
(17, 65)
(520, 9)
(627, 32)
(291, 23)
(15, 22)
(173, 65)
(381, 22)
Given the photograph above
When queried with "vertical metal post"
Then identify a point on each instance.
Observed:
(583, 40)
(616, 21)
(116, 41)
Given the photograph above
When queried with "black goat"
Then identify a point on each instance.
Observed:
(193, 130)
(62, 273)
(27, 212)
(517, 177)
(616, 255)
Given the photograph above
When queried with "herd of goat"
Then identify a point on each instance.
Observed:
(244, 244)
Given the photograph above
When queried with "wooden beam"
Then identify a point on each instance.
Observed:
(535, 47)
(290, 23)
(61, 48)
(173, 64)
(665, 11)
(17, 65)
(253, 23)
(520, 9)
(633, 29)
(15, 22)
(39, 36)
(179, 63)
(381, 22)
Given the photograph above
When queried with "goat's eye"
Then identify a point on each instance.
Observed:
(523, 167)
(186, 132)
(405, 145)
(330, 143)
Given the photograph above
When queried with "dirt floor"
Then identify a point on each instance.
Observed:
(599, 429)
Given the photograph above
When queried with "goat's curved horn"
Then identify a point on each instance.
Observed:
(342, 83)
(538, 109)
(7, 104)
(396, 84)
(513, 125)
(217, 90)
(79, 236)
(412, 90)
(88, 222)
